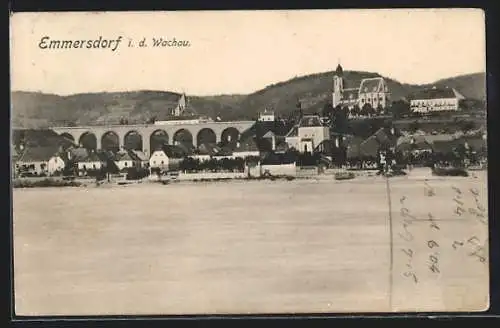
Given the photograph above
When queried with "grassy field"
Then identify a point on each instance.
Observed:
(249, 247)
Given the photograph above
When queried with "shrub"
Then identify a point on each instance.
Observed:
(344, 175)
(22, 183)
(453, 172)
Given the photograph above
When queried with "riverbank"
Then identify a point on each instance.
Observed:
(331, 174)
(45, 182)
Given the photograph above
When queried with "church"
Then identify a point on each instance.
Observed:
(372, 91)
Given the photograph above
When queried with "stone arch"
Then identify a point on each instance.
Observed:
(230, 135)
(206, 135)
(157, 139)
(183, 136)
(133, 140)
(88, 140)
(110, 140)
(68, 136)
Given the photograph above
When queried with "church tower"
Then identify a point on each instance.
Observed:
(338, 86)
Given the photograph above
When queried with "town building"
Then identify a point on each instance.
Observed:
(40, 161)
(167, 157)
(247, 148)
(206, 151)
(126, 159)
(308, 134)
(435, 100)
(92, 162)
(373, 91)
(267, 116)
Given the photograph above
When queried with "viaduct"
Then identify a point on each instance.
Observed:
(171, 132)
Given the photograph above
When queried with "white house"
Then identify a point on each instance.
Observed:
(55, 164)
(126, 159)
(435, 99)
(92, 162)
(159, 160)
(267, 116)
(308, 134)
(40, 160)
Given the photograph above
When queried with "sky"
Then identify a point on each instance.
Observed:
(242, 51)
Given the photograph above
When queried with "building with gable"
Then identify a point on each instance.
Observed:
(373, 91)
(308, 134)
(435, 99)
(45, 160)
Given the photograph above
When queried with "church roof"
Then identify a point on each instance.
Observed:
(371, 85)
(339, 70)
(350, 94)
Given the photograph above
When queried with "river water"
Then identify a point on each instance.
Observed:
(210, 248)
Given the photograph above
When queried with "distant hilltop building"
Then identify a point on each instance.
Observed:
(183, 114)
(372, 91)
(180, 108)
(266, 116)
(435, 99)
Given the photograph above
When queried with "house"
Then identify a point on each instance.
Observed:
(92, 162)
(126, 159)
(435, 100)
(44, 160)
(141, 157)
(159, 159)
(167, 157)
(271, 137)
(267, 116)
(205, 151)
(372, 91)
(308, 134)
(246, 148)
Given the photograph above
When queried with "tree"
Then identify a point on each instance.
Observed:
(399, 108)
(367, 109)
(328, 110)
(356, 110)
(340, 121)
(414, 126)
(380, 110)
(466, 126)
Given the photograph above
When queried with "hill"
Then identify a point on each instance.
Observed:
(38, 110)
(471, 85)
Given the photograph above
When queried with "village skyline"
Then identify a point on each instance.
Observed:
(237, 56)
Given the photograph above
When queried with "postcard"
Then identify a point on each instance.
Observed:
(249, 162)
